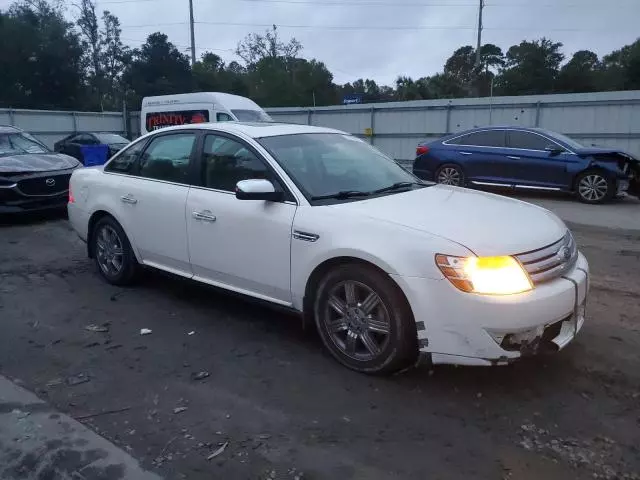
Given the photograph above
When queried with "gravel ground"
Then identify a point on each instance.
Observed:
(281, 408)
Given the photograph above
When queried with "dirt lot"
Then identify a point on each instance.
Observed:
(289, 411)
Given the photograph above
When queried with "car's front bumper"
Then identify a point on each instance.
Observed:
(462, 328)
(16, 204)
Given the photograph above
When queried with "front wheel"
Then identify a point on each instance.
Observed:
(364, 320)
(595, 187)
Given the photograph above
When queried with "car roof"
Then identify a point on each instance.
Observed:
(226, 100)
(255, 129)
(501, 127)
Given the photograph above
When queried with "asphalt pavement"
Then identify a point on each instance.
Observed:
(227, 388)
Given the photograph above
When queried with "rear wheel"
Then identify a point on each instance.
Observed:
(113, 254)
(364, 320)
(595, 186)
(450, 174)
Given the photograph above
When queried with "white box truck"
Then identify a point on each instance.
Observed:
(169, 110)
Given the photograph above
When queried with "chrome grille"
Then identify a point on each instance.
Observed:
(552, 261)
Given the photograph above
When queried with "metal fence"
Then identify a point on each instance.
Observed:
(51, 126)
(606, 118)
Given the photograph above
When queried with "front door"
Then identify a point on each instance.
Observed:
(534, 166)
(242, 245)
(154, 200)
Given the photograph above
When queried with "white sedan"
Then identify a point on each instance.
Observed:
(388, 268)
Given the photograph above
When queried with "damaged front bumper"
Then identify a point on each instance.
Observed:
(466, 329)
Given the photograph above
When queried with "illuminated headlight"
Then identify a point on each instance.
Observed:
(485, 275)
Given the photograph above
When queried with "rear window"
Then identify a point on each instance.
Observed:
(487, 138)
(157, 120)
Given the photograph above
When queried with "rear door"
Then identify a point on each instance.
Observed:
(153, 201)
(534, 166)
(481, 154)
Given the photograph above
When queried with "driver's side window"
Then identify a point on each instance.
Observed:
(225, 162)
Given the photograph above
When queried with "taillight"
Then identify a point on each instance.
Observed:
(421, 150)
(71, 197)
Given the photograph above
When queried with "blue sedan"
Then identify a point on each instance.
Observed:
(527, 159)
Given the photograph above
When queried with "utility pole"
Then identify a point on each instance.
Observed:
(479, 35)
(193, 35)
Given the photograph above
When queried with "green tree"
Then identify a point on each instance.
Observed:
(211, 74)
(461, 70)
(581, 74)
(40, 58)
(157, 68)
(622, 68)
(256, 47)
(113, 59)
(531, 68)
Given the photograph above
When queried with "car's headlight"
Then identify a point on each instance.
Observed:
(485, 275)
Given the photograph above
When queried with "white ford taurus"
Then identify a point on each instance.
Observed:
(321, 222)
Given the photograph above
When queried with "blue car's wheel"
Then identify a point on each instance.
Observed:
(450, 174)
(594, 186)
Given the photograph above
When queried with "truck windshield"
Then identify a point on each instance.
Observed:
(252, 116)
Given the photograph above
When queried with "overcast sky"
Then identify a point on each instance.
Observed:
(380, 39)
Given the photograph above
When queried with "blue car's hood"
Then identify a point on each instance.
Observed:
(585, 152)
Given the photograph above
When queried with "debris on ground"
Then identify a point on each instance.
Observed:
(78, 379)
(55, 382)
(145, 331)
(218, 451)
(594, 454)
(97, 328)
(104, 412)
(199, 375)
(179, 410)
(92, 344)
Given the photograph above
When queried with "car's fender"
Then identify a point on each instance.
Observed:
(321, 234)
(95, 192)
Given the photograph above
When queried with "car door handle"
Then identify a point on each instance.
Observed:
(512, 157)
(466, 153)
(205, 216)
(128, 199)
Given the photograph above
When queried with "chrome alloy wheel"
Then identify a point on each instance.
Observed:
(449, 176)
(357, 320)
(593, 187)
(109, 251)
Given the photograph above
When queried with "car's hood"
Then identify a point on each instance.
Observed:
(36, 162)
(585, 152)
(486, 224)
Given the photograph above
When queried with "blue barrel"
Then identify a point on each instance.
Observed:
(94, 154)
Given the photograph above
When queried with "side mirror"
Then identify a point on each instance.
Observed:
(258, 190)
(554, 149)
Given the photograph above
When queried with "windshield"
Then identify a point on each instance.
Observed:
(568, 140)
(327, 163)
(20, 143)
(110, 138)
(251, 116)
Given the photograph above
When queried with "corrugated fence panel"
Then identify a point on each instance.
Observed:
(101, 122)
(604, 118)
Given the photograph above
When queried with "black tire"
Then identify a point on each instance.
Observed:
(125, 275)
(595, 186)
(395, 350)
(450, 174)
